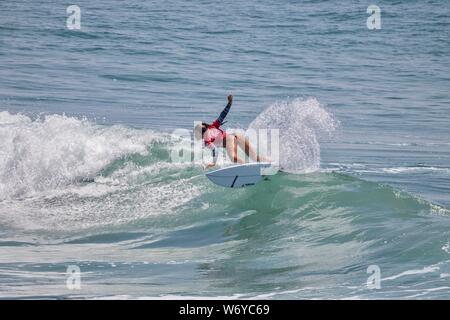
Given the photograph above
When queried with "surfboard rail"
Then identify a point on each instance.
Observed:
(238, 176)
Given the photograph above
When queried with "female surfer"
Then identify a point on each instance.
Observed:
(214, 137)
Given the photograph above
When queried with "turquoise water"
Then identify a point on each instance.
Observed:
(86, 177)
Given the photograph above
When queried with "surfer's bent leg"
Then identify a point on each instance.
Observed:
(244, 144)
(231, 146)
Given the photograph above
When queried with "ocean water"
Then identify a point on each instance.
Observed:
(86, 177)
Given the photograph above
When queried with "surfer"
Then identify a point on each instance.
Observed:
(214, 137)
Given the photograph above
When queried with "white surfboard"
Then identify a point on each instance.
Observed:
(242, 175)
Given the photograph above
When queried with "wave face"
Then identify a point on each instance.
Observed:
(73, 162)
(110, 199)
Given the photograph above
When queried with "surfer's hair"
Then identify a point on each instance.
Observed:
(201, 127)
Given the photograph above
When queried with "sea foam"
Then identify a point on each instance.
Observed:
(56, 150)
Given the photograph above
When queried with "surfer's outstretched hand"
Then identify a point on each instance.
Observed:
(230, 98)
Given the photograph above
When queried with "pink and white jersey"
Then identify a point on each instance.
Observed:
(214, 136)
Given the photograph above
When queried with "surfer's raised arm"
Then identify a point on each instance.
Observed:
(219, 121)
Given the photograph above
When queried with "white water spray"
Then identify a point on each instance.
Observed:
(301, 124)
